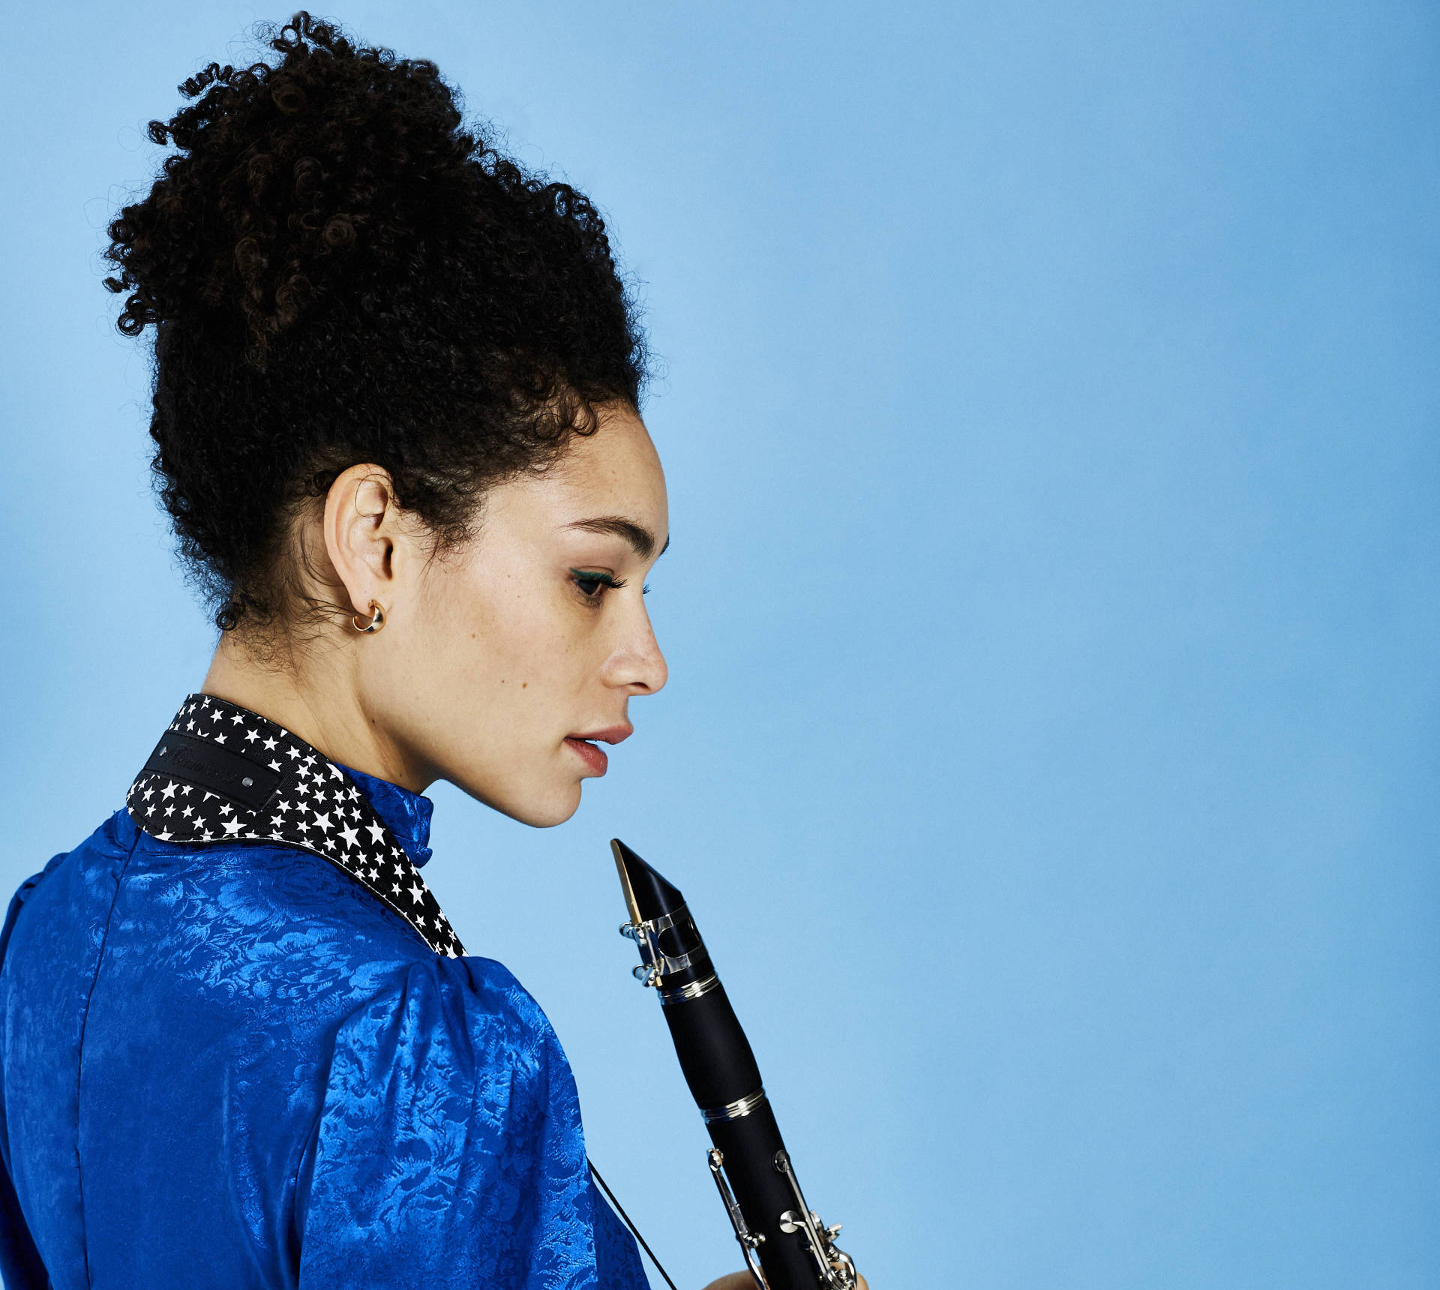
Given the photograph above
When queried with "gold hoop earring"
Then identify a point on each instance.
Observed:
(377, 620)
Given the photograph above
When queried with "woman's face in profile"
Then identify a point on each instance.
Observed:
(511, 659)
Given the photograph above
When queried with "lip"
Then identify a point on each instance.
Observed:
(585, 748)
(610, 735)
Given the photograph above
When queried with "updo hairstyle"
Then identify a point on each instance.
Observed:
(339, 271)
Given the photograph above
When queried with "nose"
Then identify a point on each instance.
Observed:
(637, 665)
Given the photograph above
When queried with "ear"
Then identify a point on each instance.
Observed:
(362, 525)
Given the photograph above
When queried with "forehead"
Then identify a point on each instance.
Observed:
(618, 454)
(614, 472)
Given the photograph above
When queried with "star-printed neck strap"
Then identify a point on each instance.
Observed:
(224, 774)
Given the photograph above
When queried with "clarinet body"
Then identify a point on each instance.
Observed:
(786, 1246)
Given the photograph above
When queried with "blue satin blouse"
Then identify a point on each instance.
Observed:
(231, 1064)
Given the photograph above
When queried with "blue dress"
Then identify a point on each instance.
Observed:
(243, 1047)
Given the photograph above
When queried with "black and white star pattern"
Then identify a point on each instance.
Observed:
(316, 807)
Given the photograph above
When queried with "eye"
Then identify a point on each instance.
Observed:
(593, 583)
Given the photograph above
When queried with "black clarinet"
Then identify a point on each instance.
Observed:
(786, 1245)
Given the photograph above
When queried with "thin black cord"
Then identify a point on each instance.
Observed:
(634, 1231)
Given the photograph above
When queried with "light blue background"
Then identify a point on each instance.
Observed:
(1051, 751)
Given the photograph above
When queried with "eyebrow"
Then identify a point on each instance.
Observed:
(637, 535)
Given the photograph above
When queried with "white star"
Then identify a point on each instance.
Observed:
(169, 789)
(237, 719)
(322, 822)
(187, 811)
(277, 822)
(396, 888)
(219, 739)
(349, 836)
(251, 736)
(377, 832)
(233, 827)
(292, 753)
(225, 809)
(336, 772)
(417, 892)
(274, 765)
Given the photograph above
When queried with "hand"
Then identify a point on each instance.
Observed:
(744, 1281)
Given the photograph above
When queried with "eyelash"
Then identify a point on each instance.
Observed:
(605, 580)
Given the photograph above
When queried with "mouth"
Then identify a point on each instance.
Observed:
(586, 746)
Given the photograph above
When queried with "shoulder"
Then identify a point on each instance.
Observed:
(462, 1027)
(451, 1128)
(233, 894)
(451, 1063)
(74, 882)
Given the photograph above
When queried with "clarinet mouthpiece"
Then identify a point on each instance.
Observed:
(647, 895)
(671, 950)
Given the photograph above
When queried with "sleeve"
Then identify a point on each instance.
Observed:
(448, 1150)
(617, 1257)
(21, 1267)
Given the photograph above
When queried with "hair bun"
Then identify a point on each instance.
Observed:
(282, 174)
(344, 274)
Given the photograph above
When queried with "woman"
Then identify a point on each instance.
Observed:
(396, 427)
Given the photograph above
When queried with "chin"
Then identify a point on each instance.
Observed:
(550, 817)
(538, 809)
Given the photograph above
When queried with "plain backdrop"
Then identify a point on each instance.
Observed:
(1049, 403)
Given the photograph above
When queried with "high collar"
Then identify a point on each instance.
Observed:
(406, 814)
(222, 774)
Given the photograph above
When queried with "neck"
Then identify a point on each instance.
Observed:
(314, 696)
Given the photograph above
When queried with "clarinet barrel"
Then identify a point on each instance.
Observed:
(785, 1244)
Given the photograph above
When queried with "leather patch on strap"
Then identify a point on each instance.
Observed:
(216, 770)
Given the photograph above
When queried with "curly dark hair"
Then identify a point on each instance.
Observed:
(339, 271)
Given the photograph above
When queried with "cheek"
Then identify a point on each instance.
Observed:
(501, 639)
